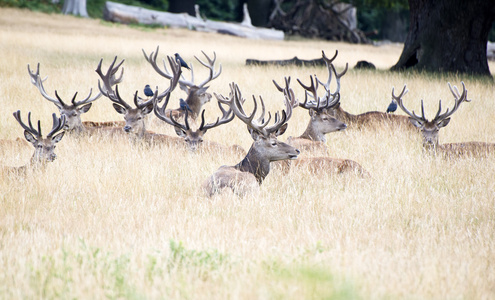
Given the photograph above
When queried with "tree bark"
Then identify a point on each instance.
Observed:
(448, 36)
(75, 7)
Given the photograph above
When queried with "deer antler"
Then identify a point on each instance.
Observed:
(114, 96)
(261, 126)
(458, 99)
(30, 128)
(37, 81)
(165, 72)
(438, 117)
(412, 114)
(227, 116)
(58, 124)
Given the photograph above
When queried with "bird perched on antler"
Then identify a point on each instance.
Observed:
(392, 106)
(148, 91)
(181, 61)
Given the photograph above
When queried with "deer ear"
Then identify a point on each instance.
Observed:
(184, 88)
(415, 122)
(254, 134)
(312, 113)
(180, 132)
(148, 109)
(58, 137)
(29, 137)
(443, 123)
(281, 130)
(119, 109)
(85, 108)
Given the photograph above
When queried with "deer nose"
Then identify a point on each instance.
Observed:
(127, 128)
(53, 156)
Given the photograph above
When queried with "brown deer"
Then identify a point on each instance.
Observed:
(196, 93)
(43, 147)
(252, 170)
(313, 138)
(134, 116)
(194, 138)
(73, 111)
(367, 119)
(430, 129)
(321, 122)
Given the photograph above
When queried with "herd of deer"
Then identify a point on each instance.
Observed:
(324, 109)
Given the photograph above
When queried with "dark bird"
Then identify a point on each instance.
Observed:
(184, 106)
(392, 107)
(181, 61)
(148, 91)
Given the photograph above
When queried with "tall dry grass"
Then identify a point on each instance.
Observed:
(111, 219)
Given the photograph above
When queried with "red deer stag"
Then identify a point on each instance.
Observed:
(314, 136)
(134, 117)
(250, 172)
(430, 129)
(72, 112)
(194, 138)
(321, 122)
(196, 93)
(43, 147)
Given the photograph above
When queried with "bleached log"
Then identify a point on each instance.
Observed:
(121, 13)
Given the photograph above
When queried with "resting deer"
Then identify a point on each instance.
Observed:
(314, 136)
(73, 111)
(134, 117)
(196, 93)
(252, 170)
(194, 138)
(321, 122)
(430, 129)
(43, 147)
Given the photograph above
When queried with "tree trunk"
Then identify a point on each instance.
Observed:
(448, 36)
(75, 7)
(181, 6)
(259, 11)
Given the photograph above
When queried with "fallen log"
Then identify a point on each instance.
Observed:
(127, 14)
(288, 62)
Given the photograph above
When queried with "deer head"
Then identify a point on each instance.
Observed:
(430, 129)
(43, 147)
(134, 116)
(73, 110)
(321, 120)
(266, 147)
(197, 94)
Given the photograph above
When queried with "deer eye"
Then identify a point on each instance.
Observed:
(274, 144)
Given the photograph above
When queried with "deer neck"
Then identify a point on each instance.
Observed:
(254, 163)
(35, 163)
(194, 104)
(344, 116)
(311, 133)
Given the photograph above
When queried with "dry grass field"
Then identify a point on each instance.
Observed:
(114, 219)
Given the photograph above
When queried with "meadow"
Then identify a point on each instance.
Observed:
(114, 219)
